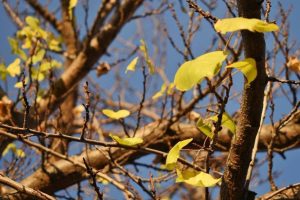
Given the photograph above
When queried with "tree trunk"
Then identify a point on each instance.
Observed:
(240, 152)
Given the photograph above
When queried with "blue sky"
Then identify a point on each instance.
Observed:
(287, 168)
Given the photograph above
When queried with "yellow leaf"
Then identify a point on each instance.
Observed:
(132, 65)
(247, 67)
(205, 128)
(144, 50)
(226, 122)
(240, 23)
(37, 74)
(45, 66)
(116, 115)
(14, 44)
(12, 147)
(20, 84)
(54, 44)
(72, 5)
(14, 68)
(195, 178)
(27, 43)
(164, 88)
(33, 22)
(173, 154)
(127, 141)
(39, 56)
(160, 92)
(192, 72)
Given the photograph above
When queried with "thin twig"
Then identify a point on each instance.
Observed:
(87, 112)
(94, 181)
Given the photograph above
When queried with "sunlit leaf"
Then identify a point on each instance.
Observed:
(173, 154)
(195, 178)
(247, 67)
(20, 84)
(36, 74)
(205, 128)
(54, 44)
(45, 66)
(144, 50)
(33, 22)
(27, 43)
(3, 71)
(12, 147)
(161, 92)
(127, 141)
(39, 56)
(192, 72)
(226, 122)
(164, 89)
(14, 68)
(240, 23)
(132, 65)
(72, 5)
(15, 49)
(116, 115)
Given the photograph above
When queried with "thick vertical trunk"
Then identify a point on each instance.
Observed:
(240, 152)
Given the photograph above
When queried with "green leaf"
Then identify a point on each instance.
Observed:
(205, 128)
(247, 67)
(39, 56)
(192, 72)
(144, 50)
(127, 141)
(12, 147)
(14, 68)
(33, 22)
(226, 122)
(173, 154)
(3, 71)
(116, 115)
(195, 178)
(132, 65)
(240, 23)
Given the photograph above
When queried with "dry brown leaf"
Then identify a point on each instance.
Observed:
(294, 64)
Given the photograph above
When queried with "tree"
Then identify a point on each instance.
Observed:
(79, 99)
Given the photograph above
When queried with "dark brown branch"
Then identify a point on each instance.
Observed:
(233, 182)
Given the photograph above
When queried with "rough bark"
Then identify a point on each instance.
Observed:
(250, 112)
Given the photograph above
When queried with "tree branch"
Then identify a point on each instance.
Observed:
(36, 194)
(63, 169)
(233, 182)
